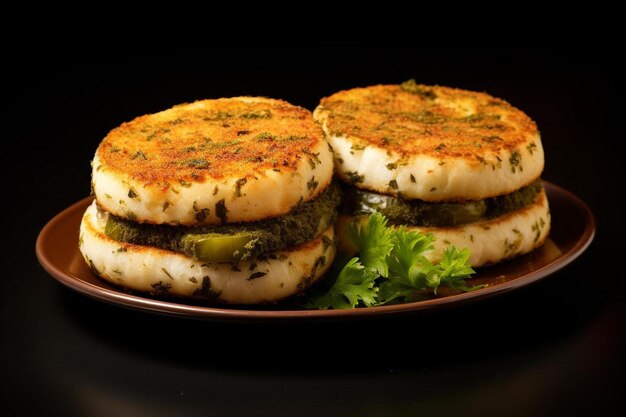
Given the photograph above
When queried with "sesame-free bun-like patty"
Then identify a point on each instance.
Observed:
(213, 161)
(266, 279)
(430, 143)
(490, 240)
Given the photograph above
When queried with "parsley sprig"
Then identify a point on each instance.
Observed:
(391, 268)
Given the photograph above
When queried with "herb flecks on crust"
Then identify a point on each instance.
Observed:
(211, 139)
(411, 119)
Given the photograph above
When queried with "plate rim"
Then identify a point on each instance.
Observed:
(170, 308)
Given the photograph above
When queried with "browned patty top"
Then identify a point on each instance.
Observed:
(413, 119)
(211, 139)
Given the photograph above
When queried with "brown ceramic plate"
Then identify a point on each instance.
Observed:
(573, 228)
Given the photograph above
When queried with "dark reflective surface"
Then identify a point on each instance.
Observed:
(553, 348)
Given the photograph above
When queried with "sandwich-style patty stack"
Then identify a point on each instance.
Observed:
(229, 200)
(462, 165)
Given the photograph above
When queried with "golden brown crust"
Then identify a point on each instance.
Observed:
(211, 139)
(430, 143)
(213, 161)
(441, 122)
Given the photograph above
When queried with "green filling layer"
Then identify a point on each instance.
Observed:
(234, 242)
(421, 213)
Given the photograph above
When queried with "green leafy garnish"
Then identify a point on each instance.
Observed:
(392, 268)
(373, 243)
(354, 285)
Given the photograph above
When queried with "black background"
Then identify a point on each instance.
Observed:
(554, 347)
